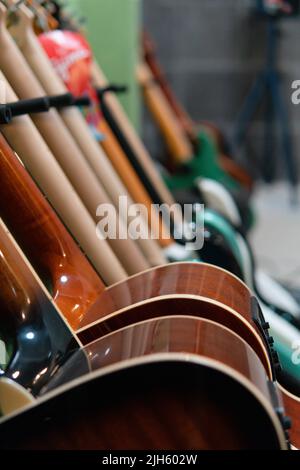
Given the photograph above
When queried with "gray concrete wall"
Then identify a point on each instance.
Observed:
(211, 51)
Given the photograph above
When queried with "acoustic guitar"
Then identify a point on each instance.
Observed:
(45, 241)
(170, 371)
(17, 397)
(177, 286)
(47, 244)
(38, 254)
(14, 260)
(71, 280)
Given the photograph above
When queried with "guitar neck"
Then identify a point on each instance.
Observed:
(152, 62)
(132, 138)
(177, 142)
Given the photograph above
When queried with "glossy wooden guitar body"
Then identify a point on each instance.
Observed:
(43, 341)
(27, 142)
(180, 379)
(179, 288)
(74, 285)
(57, 259)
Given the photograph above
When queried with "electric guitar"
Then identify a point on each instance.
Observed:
(227, 164)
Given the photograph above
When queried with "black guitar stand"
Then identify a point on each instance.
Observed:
(42, 104)
(268, 85)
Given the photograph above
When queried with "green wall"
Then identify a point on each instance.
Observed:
(113, 28)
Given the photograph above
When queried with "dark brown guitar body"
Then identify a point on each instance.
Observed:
(59, 262)
(292, 407)
(169, 383)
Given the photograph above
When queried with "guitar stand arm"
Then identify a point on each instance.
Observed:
(112, 88)
(19, 108)
(43, 104)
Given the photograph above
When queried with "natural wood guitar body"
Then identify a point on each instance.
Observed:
(71, 280)
(169, 383)
(179, 288)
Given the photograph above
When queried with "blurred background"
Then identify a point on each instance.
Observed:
(211, 51)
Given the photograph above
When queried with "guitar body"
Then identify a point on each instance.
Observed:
(42, 341)
(169, 383)
(63, 268)
(205, 165)
(217, 250)
(180, 288)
